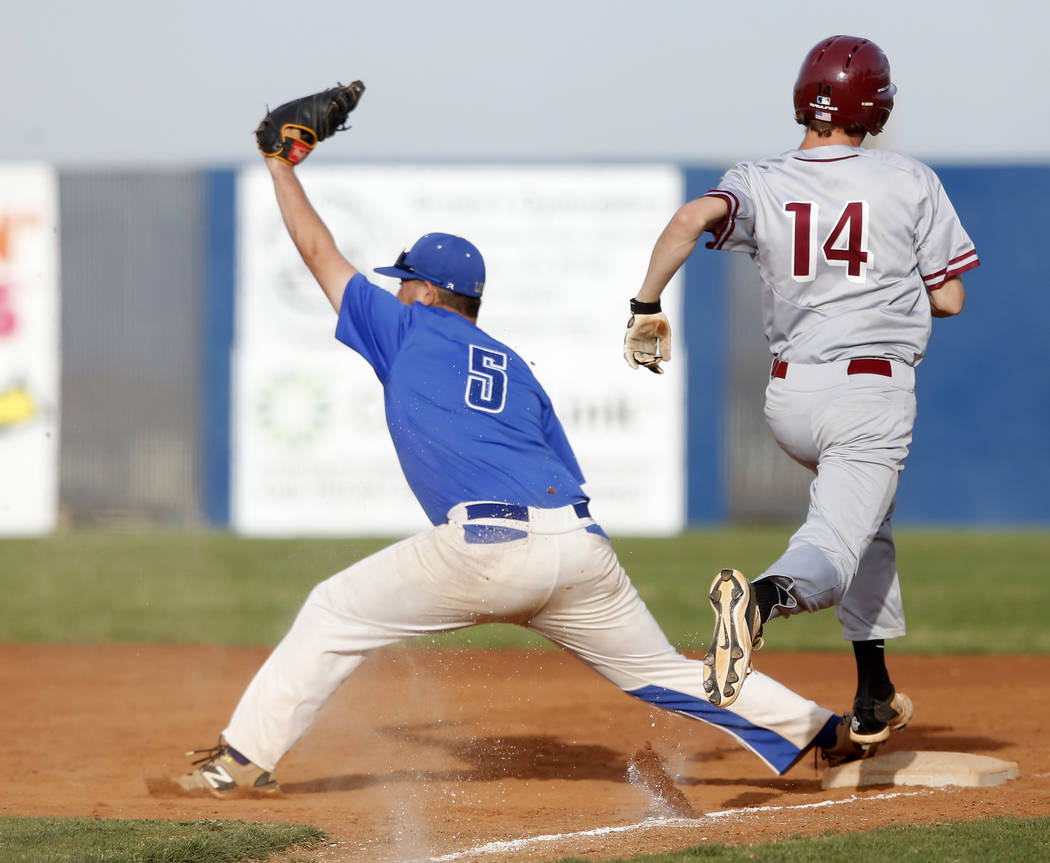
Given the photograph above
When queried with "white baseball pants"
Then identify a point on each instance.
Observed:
(550, 574)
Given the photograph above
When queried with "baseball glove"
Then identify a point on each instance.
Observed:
(290, 132)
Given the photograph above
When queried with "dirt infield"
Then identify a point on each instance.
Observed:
(442, 755)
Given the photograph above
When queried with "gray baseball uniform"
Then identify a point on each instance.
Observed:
(847, 241)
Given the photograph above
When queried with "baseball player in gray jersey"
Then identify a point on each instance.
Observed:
(857, 250)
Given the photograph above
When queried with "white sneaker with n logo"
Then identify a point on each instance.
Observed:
(221, 775)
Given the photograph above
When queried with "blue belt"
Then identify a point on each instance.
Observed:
(514, 511)
(487, 533)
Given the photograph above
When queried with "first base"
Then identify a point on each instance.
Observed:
(922, 768)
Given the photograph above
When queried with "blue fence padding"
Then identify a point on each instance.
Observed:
(705, 320)
(981, 451)
(220, 273)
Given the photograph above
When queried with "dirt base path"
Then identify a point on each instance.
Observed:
(447, 755)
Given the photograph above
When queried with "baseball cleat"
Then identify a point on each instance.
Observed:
(223, 772)
(738, 631)
(846, 749)
(873, 720)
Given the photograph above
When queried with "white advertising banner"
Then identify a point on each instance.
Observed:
(29, 352)
(565, 248)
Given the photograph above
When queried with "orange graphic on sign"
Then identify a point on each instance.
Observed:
(10, 224)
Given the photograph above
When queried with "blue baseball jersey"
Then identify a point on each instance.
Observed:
(468, 419)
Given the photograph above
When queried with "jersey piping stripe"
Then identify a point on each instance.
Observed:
(956, 267)
(961, 257)
(730, 222)
(836, 159)
(777, 751)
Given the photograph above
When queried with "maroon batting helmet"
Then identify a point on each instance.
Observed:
(845, 80)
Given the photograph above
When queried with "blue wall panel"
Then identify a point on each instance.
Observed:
(981, 452)
(704, 327)
(219, 284)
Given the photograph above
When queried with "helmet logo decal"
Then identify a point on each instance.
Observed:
(822, 105)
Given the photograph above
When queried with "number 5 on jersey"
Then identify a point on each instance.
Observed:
(846, 245)
(487, 380)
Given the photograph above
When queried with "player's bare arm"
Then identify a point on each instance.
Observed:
(648, 339)
(677, 242)
(286, 136)
(948, 299)
(309, 233)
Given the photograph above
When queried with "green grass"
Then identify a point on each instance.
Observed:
(84, 840)
(192, 588)
(991, 840)
(87, 840)
(964, 591)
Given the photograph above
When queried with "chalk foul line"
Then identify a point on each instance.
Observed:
(649, 823)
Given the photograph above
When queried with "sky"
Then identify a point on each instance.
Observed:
(130, 83)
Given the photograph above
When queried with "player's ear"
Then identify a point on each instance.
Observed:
(430, 295)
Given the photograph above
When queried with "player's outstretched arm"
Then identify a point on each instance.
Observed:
(948, 299)
(310, 234)
(286, 136)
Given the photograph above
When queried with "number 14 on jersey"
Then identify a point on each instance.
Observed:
(845, 246)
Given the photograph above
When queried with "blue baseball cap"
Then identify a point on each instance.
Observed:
(448, 261)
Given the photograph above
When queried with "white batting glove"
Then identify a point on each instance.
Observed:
(648, 338)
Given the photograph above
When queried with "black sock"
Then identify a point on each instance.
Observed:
(768, 595)
(873, 680)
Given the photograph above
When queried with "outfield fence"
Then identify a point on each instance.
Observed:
(153, 270)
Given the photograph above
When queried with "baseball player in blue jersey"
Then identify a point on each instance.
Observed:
(513, 539)
(857, 249)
